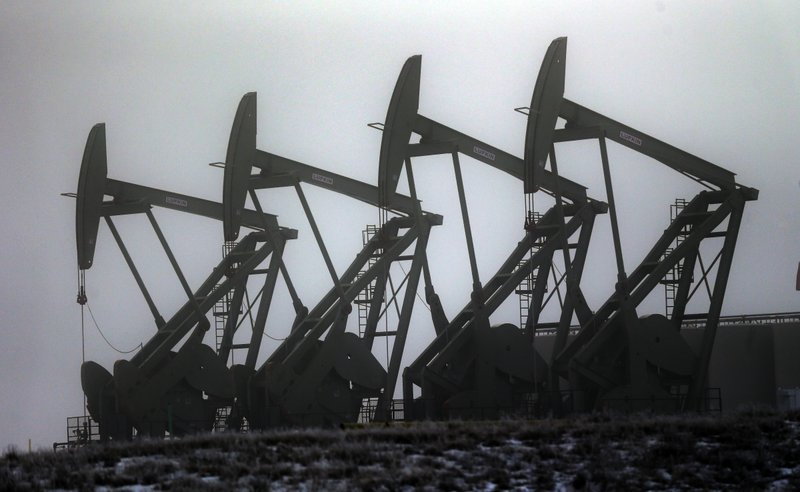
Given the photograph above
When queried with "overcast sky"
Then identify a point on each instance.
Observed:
(718, 79)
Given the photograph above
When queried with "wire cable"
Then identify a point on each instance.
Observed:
(273, 338)
(424, 303)
(250, 315)
(106, 339)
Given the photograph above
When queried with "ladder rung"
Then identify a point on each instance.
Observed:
(240, 254)
(523, 291)
(385, 333)
(225, 313)
(362, 301)
(260, 271)
(237, 346)
(404, 258)
(717, 234)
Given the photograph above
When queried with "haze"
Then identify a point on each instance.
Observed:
(717, 79)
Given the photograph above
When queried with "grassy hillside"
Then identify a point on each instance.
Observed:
(751, 450)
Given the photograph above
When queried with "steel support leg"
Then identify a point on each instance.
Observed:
(476, 281)
(384, 401)
(715, 307)
(178, 272)
(296, 302)
(438, 316)
(263, 307)
(156, 315)
(622, 277)
(320, 243)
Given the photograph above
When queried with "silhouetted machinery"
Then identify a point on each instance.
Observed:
(471, 368)
(620, 359)
(309, 379)
(322, 374)
(164, 386)
(617, 359)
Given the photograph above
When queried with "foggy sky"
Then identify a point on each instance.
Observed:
(717, 79)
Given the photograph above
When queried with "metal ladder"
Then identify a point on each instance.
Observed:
(365, 296)
(673, 276)
(221, 312)
(525, 289)
(222, 307)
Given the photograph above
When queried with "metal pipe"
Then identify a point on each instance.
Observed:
(172, 259)
(337, 285)
(612, 212)
(412, 188)
(560, 212)
(476, 281)
(296, 302)
(156, 315)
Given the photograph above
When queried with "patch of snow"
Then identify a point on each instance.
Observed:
(782, 484)
(788, 472)
(568, 444)
(456, 453)
(123, 463)
(705, 444)
(321, 464)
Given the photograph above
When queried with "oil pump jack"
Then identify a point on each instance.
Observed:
(308, 379)
(472, 369)
(164, 387)
(322, 373)
(620, 359)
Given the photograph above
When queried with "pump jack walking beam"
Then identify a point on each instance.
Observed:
(306, 380)
(657, 360)
(134, 395)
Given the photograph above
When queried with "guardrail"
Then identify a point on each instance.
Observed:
(698, 320)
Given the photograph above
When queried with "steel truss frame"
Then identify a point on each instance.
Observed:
(619, 356)
(307, 379)
(321, 373)
(150, 392)
(466, 370)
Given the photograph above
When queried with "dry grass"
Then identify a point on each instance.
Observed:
(757, 449)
